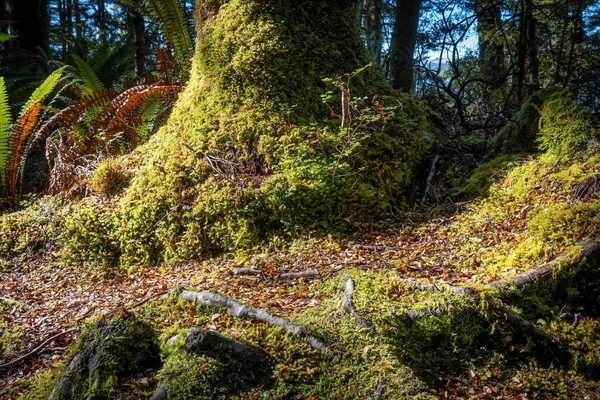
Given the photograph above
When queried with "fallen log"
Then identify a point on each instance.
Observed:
(238, 310)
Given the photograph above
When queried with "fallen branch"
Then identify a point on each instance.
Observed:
(247, 272)
(348, 306)
(235, 309)
(309, 273)
(460, 290)
(38, 349)
(513, 316)
(147, 299)
(374, 248)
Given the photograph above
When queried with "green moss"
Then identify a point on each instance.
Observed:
(32, 229)
(566, 127)
(114, 351)
(485, 175)
(255, 150)
(110, 178)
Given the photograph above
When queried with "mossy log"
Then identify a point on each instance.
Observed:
(113, 348)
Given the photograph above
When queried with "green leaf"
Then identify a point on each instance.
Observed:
(5, 125)
(44, 89)
(90, 79)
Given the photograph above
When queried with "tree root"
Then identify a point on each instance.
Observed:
(590, 253)
(380, 389)
(37, 349)
(348, 306)
(201, 341)
(235, 309)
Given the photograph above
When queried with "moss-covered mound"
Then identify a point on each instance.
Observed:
(281, 130)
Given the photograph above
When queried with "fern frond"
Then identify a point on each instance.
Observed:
(44, 89)
(5, 122)
(124, 105)
(17, 143)
(5, 37)
(175, 26)
(87, 75)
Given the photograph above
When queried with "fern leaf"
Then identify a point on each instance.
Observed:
(87, 74)
(5, 122)
(17, 143)
(44, 89)
(175, 26)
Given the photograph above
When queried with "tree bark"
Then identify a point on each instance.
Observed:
(403, 44)
(138, 35)
(372, 25)
(31, 24)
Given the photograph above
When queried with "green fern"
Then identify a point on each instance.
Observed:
(175, 26)
(5, 125)
(14, 139)
(44, 89)
(91, 82)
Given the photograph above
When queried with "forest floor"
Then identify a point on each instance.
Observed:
(471, 246)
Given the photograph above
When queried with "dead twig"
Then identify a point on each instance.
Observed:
(38, 349)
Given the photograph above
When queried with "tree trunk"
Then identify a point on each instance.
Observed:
(533, 70)
(404, 40)
(31, 24)
(372, 25)
(138, 34)
(491, 49)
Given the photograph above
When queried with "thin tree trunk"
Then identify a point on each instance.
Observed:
(372, 24)
(78, 26)
(403, 44)
(533, 70)
(491, 49)
(138, 33)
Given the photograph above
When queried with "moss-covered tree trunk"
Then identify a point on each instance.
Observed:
(280, 130)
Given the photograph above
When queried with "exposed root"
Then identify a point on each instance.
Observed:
(199, 340)
(413, 315)
(235, 309)
(380, 389)
(590, 252)
(460, 290)
(348, 306)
